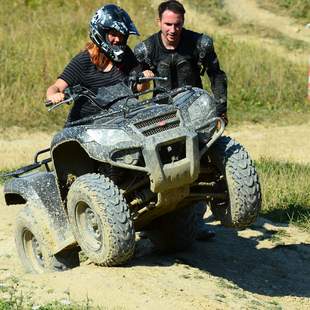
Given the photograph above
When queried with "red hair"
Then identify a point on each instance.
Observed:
(97, 58)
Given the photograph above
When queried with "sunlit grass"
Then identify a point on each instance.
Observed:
(286, 192)
(33, 54)
(299, 9)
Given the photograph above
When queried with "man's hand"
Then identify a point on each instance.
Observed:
(148, 73)
(225, 118)
(145, 85)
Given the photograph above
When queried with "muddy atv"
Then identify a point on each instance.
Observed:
(135, 165)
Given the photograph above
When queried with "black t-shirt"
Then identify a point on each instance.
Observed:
(81, 71)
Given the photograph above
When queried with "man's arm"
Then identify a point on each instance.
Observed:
(142, 53)
(218, 79)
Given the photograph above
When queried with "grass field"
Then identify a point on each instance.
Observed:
(299, 9)
(32, 54)
(286, 192)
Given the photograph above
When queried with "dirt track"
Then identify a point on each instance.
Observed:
(266, 266)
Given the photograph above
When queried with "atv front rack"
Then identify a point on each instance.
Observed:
(36, 164)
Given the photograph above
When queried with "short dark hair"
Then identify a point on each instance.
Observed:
(171, 5)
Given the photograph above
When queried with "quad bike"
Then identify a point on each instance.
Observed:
(135, 165)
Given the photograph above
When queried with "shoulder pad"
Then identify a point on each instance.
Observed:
(204, 45)
(142, 52)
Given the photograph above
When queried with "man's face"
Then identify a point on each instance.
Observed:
(171, 26)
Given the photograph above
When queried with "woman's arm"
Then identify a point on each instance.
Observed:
(55, 92)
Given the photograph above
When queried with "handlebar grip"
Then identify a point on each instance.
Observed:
(48, 103)
(152, 78)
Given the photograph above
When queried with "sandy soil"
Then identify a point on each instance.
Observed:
(265, 266)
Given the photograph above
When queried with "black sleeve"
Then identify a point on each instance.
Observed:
(217, 76)
(130, 61)
(141, 54)
(144, 52)
(73, 72)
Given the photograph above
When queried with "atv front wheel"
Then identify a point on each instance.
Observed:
(100, 220)
(237, 176)
(33, 248)
(175, 231)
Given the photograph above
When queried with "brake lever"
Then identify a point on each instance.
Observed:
(68, 101)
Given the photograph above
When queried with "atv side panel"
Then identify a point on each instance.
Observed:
(39, 191)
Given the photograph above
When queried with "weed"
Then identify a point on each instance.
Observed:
(286, 192)
(226, 284)
(220, 296)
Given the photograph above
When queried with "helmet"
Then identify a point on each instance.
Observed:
(106, 18)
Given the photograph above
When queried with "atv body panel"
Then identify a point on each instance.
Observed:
(39, 192)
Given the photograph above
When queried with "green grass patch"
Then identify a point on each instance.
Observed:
(299, 9)
(33, 54)
(214, 8)
(286, 192)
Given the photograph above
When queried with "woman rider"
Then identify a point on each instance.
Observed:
(105, 61)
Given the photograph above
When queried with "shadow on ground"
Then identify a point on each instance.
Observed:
(276, 270)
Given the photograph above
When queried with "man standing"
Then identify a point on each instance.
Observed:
(183, 56)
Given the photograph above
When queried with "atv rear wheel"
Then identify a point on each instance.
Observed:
(175, 231)
(33, 248)
(237, 177)
(100, 220)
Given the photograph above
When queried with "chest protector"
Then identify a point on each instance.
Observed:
(182, 66)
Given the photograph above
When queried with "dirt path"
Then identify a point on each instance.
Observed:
(266, 266)
(288, 143)
(248, 12)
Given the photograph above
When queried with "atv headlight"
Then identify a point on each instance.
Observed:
(202, 110)
(107, 136)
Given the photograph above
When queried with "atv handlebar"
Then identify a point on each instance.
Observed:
(135, 79)
(48, 103)
(141, 79)
(75, 92)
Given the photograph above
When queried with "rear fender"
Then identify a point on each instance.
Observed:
(39, 191)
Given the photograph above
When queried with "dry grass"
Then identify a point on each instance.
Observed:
(17, 147)
(281, 143)
(33, 54)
